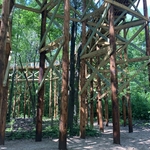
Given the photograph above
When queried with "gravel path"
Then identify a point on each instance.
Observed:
(138, 140)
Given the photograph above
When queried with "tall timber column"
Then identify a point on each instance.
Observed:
(41, 74)
(4, 55)
(82, 82)
(65, 71)
(147, 38)
(113, 76)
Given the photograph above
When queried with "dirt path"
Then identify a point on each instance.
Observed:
(138, 140)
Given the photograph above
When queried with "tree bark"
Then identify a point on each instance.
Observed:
(91, 99)
(65, 71)
(147, 37)
(99, 103)
(114, 82)
(4, 54)
(106, 110)
(72, 78)
(41, 74)
(82, 82)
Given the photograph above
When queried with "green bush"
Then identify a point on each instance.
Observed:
(141, 105)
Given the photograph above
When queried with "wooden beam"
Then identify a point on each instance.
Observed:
(123, 7)
(95, 53)
(27, 8)
(96, 12)
(130, 24)
(53, 45)
(51, 3)
(131, 60)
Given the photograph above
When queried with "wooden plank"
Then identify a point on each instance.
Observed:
(123, 7)
(53, 45)
(131, 60)
(96, 12)
(7, 71)
(95, 53)
(27, 8)
(51, 3)
(130, 24)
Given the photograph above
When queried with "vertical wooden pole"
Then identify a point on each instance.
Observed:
(91, 99)
(41, 74)
(25, 99)
(50, 94)
(128, 94)
(55, 98)
(147, 36)
(3, 91)
(124, 110)
(5, 97)
(82, 81)
(72, 73)
(129, 110)
(99, 102)
(123, 97)
(86, 100)
(65, 71)
(114, 82)
(106, 110)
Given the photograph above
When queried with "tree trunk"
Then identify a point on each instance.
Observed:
(55, 99)
(77, 85)
(11, 92)
(41, 74)
(82, 82)
(5, 98)
(129, 111)
(114, 82)
(4, 53)
(72, 78)
(91, 100)
(106, 110)
(65, 71)
(99, 103)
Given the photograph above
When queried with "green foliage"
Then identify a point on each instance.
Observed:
(141, 105)
(52, 132)
(89, 131)
(15, 130)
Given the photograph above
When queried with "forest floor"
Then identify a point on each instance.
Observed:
(138, 140)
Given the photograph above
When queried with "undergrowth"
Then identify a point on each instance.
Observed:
(16, 131)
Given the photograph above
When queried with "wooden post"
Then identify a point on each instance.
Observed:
(106, 110)
(124, 79)
(72, 73)
(4, 54)
(5, 98)
(147, 36)
(25, 99)
(65, 71)
(82, 82)
(55, 99)
(128, 94)
(129, 110)
(114, 82)
(41, 74)
(91, 99)
(50, 94)
(99, 102)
